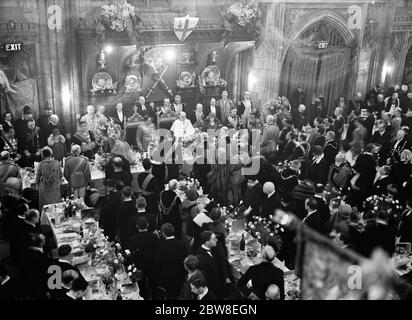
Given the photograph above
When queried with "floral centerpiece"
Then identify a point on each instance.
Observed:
(375, 205)
(244, 15)
(116, 17)
(102, 160)
(72, 205)
(265, 231)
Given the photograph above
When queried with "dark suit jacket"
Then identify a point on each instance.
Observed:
(209, 296)
(324, 212)
(366, 166)
(207, 111)
(318, 172)
(9, 291)
(148, 112)
(379, 187)
(330, 152)
(169, 266)
(116, 119)
(262, 275)
(124, 213)
(405, 230)
(314, 221)
(34, 274)
(144, 247)
(210, 268)
(270, 204)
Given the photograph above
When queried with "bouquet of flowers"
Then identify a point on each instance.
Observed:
(242, 14)
(133, 273)
(265, 231)
(116, 16)
(114, 131)
(379, 204)
(102, 161)
(189, 183)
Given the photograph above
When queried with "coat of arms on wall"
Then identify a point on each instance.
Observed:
(184, 26)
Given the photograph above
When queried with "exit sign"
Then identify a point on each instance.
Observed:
(321, 44)
(12, 47)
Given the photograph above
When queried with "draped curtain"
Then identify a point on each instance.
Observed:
(239, 72)
(322, 72)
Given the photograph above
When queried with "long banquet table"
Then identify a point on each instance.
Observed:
(67, 231)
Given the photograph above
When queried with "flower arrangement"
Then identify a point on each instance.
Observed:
(242, 14)
(265, 230)
(379, 204)
(188, 183)
(116, 16)
(102, 160)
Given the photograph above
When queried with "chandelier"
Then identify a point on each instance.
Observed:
(118, 14)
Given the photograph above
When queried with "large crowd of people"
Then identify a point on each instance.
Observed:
(324, 163)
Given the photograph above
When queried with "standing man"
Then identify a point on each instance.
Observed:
(119, 116)
(90, 118)
(178, 105)
(270, 136)
(44, 124)
(77, 172)
(148, 185)
(225, 105)
(245, 107)
(214, 108)
(22, 129)
(298, 97)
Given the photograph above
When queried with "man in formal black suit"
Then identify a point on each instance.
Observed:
(318, 168)
(125, 214)
(143, 109)
(17, 230)
(382, 180)
(331, 148)
(8, 286)
(208, 263)
(313, 218)
(405, 226)
(43, 122)
(271, 201)
(259, 277)
(21, 127)
(213, 108)
(34, 269)
(323, 207)
(144, 247)
(200, 288)
(110, 204)
(169, 264)
(31, 226)
(142, 211)
(149, 187)
(119, 173)
(63, 253)
(119, 115)
(289, 147)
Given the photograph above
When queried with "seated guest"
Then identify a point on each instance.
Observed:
(170, 204)
(77, 172)
(259, 277)
(7, 167)
(339, 173)
(166, 110)
(84, 138)
(213, 108)
(289, 146)
(233, 121)
(34, 268)
(144, 246)
(68, 278)
(120, 174)
(8, 142)
(31, 226)
(381, 181)
(191, 265)
(125, 213)
(169, 264)
(182, 127)
(145, 134)
(143, 110)
(8, 286)
(178, 106)
(58, 144)
(211, 123)
(199, 287)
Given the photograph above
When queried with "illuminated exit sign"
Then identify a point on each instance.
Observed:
(321, 44)
(12, 47)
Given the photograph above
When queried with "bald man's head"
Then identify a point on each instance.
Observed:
(272, 292)
(268, 188)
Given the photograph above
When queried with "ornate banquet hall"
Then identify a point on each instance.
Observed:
(231, 150)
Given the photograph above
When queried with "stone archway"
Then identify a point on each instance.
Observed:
(323, 71)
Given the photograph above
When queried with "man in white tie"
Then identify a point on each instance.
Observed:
(118, 116)
(245, 106)
(213, 108)
(144, 110)
(178, 105)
